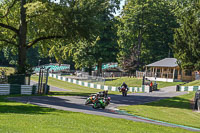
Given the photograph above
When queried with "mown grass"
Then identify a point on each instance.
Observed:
(193, 83)
(135, 82)
(27, 118)
(74, 89)
(131, 82)
(176, 110)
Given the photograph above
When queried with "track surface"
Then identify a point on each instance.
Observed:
(76, 104)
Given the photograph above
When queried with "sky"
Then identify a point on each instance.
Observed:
(122, 3)
(121, 6)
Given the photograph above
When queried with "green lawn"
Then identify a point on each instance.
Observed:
(27, 118)
(131, 82)
(174, 110)
(193, 83)
(135, 82)
(74, 88)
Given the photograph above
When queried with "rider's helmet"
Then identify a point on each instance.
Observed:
(97, 95)
(106, 92)
(109, 98)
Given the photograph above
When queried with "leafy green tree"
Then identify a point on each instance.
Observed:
(87, 54)
(187, 36)
(26, 23)
(129, 62)
(146, 28)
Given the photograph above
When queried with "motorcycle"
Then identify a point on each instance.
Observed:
(123, 90)
(90, 100)
(101, 103)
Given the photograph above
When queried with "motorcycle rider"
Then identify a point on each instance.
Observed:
(103, 94)
(106, 94)
(96, 98)
(125, 85)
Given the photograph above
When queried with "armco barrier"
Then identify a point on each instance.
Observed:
(4, 89)
(7, 89)
(189, 88)
(144, 88)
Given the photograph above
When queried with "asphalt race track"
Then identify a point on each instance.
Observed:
(76, 104)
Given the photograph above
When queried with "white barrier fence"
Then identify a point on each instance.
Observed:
(143, 88)
(7, 89)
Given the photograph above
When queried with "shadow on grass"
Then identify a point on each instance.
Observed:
(181, 102)
(74, 93)
(58, 93)
(60, 103)
(74, 103)
(175, 102)
(24, 109)
(7, 106)
(111, 79)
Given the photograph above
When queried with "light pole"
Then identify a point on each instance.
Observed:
(143, 80)
(155, 85)
(39, 63)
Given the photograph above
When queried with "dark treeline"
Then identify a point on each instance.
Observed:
(85, 33)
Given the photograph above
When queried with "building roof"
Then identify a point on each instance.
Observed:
(167, 62)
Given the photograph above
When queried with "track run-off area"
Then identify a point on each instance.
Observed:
(77, 104)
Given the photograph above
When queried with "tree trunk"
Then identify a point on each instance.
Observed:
(22, 40)
(140, 39)
(139, 49)
(99, 68)
(21, 60)
(90, 70)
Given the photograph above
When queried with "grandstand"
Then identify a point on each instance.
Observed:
(54, 67)
(109, 66)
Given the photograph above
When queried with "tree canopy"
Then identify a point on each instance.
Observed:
(187, 37)
(146, 27)
(25, 24)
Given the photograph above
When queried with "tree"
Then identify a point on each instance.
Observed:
(187, 37)
(129, 62)
(25, 24)
(146, 28)
(104, 49)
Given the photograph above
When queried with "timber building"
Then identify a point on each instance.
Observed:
(168, 70)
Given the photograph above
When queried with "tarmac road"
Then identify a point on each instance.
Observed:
(76, 104)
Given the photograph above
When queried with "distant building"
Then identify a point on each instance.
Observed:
(109, 70)
(168, 70)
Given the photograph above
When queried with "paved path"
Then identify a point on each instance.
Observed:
(76, 104)
(168, 89)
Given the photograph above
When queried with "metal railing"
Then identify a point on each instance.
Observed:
(140, 74)
(92, 79)
(197, 76)
(159, 75)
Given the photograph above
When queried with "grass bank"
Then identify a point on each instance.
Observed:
(74, 89)
(173, 110)
(193, 83)
(135, 82)
(27, 118)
